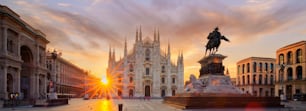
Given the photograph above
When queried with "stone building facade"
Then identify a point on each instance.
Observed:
(22, 57)
(293, 80)
(68, 79)
(146, 70)
(256, 75)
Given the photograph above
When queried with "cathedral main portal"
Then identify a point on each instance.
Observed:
(147, 91)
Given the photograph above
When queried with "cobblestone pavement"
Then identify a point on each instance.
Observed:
(140, 105)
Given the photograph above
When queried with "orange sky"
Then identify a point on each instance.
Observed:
(83, 30)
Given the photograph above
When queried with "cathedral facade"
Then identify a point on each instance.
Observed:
(146, 70)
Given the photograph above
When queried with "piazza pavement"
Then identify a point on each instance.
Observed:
(140, 105)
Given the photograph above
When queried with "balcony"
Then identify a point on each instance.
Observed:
(147, 76)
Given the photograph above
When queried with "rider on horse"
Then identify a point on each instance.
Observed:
(214, 41)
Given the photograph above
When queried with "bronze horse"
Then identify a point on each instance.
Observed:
(214, 43)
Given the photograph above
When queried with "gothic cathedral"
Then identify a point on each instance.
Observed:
(146, 70)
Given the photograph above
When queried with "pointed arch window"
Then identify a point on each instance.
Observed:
(173, 80)
(163, 69)
(131, 68)
(131, 79)
(147, 71)
(147, 54)
(163, 80)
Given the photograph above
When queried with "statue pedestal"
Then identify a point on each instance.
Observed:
(214, 90)
(218, 84)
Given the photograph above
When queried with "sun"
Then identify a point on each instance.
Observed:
(104, 81)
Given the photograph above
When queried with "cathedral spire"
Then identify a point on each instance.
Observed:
(182, 57)
(178, 58)
(110, 54)
(125, 47)
(114, 56)
(157, 34)
(154, 34)
(168, 48)
(140, 34)
(136, 35)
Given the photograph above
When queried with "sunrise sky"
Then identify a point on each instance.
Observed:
(83, 30)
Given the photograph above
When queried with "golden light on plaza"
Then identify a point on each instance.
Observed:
(104, 81)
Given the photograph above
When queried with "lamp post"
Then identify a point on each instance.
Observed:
(281, 70)
(53, 82)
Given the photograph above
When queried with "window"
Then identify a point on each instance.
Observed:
(299, 56)
(289, 58)
(281, 59)
(266, 80)
(289, 74)
(272, 68)
(40, 58)
(163, 69)
(260, 67)
(248, 79)
(248, 68)
(238, 69)
(260, 79)
(131, 68)
(243, 80)
(254, 79)
(173, 80)
(254, 67)
(10, 45)
(173, 92)
(271, 79)
(266, 67)
(11, 37)
(299, 72)
(243, 68)
(147, 54)
(131, 79)
(163, 80)
(147, 71)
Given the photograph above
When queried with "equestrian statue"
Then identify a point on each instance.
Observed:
(214, 41)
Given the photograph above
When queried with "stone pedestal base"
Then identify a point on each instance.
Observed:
(222, 101)
(51, 102)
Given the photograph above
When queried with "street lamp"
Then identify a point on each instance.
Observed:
(281, 70)
(53, 82)
(54, 56)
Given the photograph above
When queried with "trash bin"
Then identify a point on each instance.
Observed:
(120, 107)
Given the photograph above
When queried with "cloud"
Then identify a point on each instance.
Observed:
(64, 4)
(179, 21)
